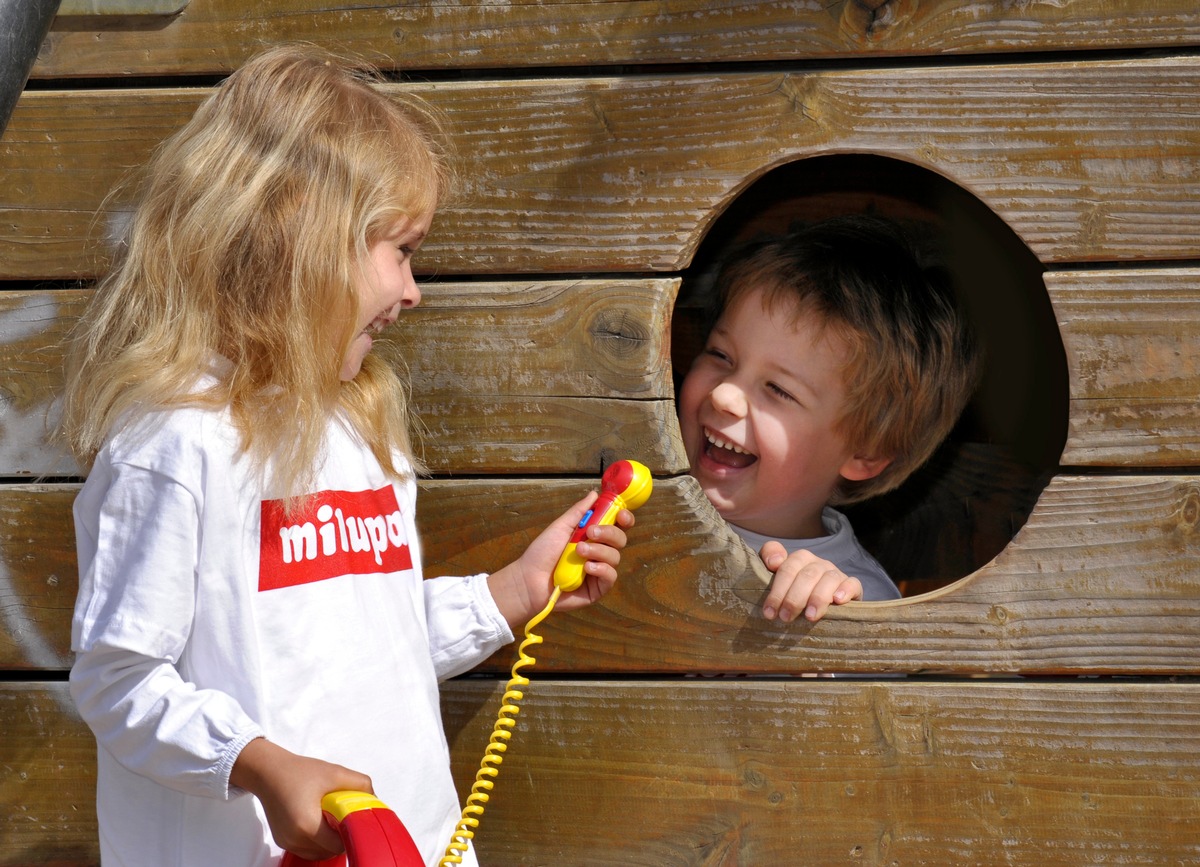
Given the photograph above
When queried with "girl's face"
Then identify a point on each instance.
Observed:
(758, 412)
(385, 285)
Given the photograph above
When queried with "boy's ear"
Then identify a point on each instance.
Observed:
(858, 468)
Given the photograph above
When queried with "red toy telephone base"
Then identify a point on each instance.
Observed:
(373, 835)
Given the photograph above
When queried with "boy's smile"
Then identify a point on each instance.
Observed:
(758, 413)
(726, 453)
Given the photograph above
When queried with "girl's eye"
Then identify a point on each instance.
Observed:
(716, 353)
(405, 251)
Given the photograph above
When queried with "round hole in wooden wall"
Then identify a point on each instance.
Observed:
(965, 505)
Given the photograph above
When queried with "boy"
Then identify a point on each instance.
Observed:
(835, 367)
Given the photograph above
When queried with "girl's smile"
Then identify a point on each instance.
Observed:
(385, 287)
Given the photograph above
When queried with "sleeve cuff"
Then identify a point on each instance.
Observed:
(232, 751)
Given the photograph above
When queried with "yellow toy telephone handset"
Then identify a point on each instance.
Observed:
(624, 485)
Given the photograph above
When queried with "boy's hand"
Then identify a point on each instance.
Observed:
(522, 589)
(805, 583)
(290, 788)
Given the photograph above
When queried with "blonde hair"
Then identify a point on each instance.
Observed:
(912, 362)
(250, 226)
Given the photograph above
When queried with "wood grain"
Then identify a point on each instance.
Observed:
(626, 174)
(827, 772)
(1075, 124)
(47, 779)
(506, 377)
(725, 772)
(214, 36)
(559, 376)
(1104, 578)
(551, 376)
(1133, 344)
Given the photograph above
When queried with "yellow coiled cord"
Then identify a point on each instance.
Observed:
(489, 765)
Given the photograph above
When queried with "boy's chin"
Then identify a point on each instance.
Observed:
(718, 498)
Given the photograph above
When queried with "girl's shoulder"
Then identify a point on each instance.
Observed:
(174, 439)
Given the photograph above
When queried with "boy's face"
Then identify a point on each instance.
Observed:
(758, 412)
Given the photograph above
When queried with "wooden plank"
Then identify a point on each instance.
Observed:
(827, 772)
(1133, 348)
(126, 13)
(1104, 578)
(559, 375)
(606, 174)
(214, 36)
(553, 376)
(39, 576)
(47, 779)
(535, 377)
(751, 772)
(689, 594)
(582, 338)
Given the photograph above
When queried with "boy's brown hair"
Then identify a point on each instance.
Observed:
(912, 361)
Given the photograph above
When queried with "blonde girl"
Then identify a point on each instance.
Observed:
(252, 628)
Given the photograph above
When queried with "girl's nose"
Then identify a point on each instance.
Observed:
(412, 292)
(727, 397)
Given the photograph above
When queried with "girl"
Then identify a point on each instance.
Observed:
(252, 619)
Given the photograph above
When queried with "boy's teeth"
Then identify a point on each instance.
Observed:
(721, 444)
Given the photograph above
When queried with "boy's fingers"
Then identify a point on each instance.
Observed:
(796, 585)
(774, 598)
(849, 590)
(811, 592)
(783, 584)
(795, 602)
(834, 588)
(773, 555)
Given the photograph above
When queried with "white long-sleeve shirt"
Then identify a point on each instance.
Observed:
(207, 617)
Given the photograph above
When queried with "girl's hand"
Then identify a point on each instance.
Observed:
(805, 583)
(290, 788)
(522, 589)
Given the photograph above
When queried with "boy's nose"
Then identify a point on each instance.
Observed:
(727, 397)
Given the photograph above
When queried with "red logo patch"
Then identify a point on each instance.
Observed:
(336, 533)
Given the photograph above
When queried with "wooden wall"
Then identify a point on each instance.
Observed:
(1049, 713)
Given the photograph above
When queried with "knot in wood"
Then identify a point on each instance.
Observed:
(618, 332)
(865, 21)
(1189, 512)
(755, 779)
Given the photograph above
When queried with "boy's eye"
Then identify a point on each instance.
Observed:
(779, 392)
(716, 353)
